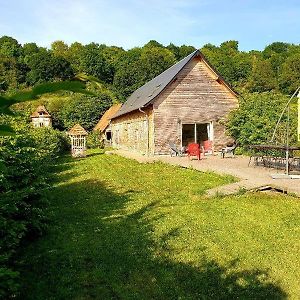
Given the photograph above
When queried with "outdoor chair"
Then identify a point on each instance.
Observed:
(174, 150)
(207, 147)
(194, 150)
(228, 150)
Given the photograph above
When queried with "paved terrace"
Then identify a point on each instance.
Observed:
(251, 178)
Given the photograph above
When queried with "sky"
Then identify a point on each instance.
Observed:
(254, 23)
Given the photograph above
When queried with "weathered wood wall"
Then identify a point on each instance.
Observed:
(134, 131)
(194, 97)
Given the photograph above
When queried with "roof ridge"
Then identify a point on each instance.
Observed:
(146, 94)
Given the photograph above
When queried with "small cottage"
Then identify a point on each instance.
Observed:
(187, 103)
(104, 127)
(41, 117)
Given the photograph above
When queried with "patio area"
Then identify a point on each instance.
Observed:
(251, 178)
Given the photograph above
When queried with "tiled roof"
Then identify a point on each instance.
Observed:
(77, 130)
(105, 119)
(40, 109)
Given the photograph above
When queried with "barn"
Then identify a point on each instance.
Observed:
(187, 103)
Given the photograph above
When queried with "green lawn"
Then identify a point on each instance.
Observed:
(124, 230)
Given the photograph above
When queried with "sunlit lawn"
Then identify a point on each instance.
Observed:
(124, 230)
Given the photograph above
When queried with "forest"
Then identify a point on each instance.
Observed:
(276, 68)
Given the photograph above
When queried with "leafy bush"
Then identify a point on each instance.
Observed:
(94, 141)
(84, 110)
(52, 141)
(255, 119)
(25, 160)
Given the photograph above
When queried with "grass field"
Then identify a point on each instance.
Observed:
(124, 230)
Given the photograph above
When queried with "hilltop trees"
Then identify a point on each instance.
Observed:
(139, 65)
(276, 68)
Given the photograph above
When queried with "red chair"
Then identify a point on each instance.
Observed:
(194, 150)
(207, 147)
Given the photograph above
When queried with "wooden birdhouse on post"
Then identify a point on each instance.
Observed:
(41, 117)
(78, 141)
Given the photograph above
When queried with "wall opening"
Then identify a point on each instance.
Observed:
(196, 133)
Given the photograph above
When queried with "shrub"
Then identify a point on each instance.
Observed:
(24, 167)
(84, 110)
(255, 119)
(52, 141)
(94, 141)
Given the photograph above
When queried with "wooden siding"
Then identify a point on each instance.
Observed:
(134, 132)
(196, 96)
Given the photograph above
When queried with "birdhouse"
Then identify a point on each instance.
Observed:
(41, 117)
(78, 141)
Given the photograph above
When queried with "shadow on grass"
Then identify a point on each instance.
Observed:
(100, 249)
(95, 154)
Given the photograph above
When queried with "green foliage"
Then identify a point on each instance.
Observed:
(262, 78)
(290, 79)
(94, 141)
(7, 101)
(9, 285)
(233, 65)
(254, 121)
(51, 141)
(10, 47)
(25, 164)
(46, 67)
(95, 63)
(83, 110)
(139, 65)
(273, 69)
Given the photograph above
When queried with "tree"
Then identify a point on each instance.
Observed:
(153, 43)
(95, 63)
(60, 49)
(184, 51)
(139, 65)
(84, 110)
(8, 73)
(254, 121)
(233, 65)
(75, 54)
(154, 61)
(262, 76)
(45, 67)
(277, 47)
(10, 47)
(290, 76)
(127, 77)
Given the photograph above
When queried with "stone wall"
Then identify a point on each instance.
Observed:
(134, 131)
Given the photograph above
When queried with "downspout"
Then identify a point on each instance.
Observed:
(147, 119)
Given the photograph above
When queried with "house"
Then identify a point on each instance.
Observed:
(103, 126)
(187, 103)
(41, 117)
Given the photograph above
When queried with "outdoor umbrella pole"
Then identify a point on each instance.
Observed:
(287, 142)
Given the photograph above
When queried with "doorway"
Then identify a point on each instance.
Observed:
(196, 133)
